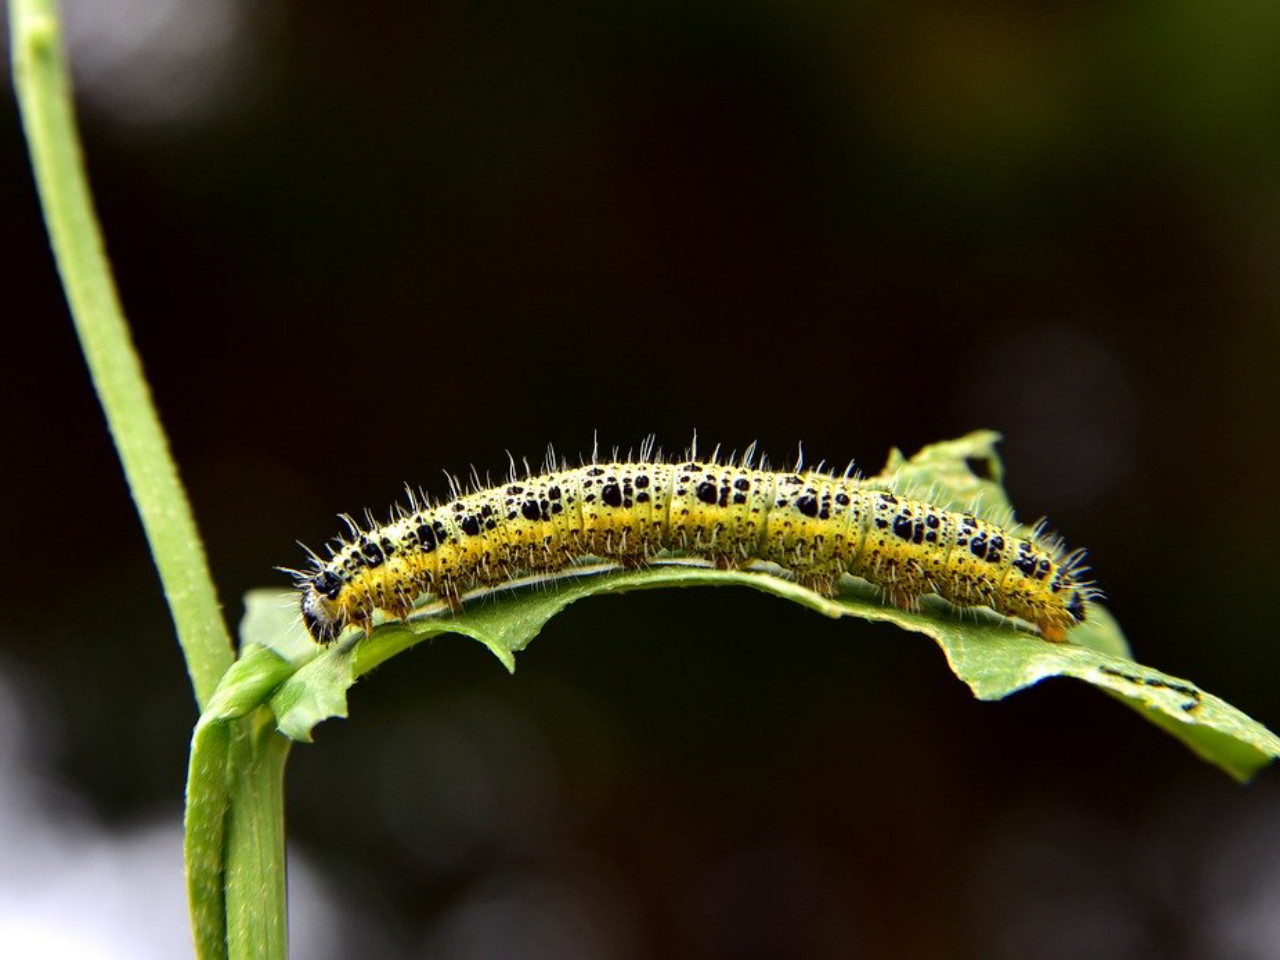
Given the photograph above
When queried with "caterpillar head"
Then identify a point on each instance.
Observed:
(321, 612)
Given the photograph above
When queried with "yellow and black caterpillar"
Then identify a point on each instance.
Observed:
(816, 525)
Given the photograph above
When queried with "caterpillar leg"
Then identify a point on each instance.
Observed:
(908, 600)
(1053, 632)
(819, 583)
(400, 609)
(446, 591)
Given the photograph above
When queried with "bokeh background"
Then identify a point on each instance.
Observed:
(360, 246)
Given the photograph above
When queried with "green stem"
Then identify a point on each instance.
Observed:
(204, 837)
(247, 685)
(255, 867)
(44, 94)
(235, 804)
(233, 840)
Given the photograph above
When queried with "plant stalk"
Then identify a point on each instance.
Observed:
(48, 115)
(235, 806)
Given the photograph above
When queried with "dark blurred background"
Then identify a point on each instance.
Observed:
(361, 246)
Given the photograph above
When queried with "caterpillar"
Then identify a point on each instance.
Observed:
(818, 526)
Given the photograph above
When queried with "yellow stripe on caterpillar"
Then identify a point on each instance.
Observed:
(817, 526)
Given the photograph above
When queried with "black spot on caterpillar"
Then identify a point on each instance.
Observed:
(817, 526)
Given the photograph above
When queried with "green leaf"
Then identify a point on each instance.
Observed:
(991, 654)
(943, 470)
(244, 687)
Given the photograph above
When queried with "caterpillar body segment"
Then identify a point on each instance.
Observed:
(815, 525)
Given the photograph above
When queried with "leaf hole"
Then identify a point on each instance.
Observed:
(980, 467)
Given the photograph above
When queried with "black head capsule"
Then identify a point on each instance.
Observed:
(327, 583)
(321, 614)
